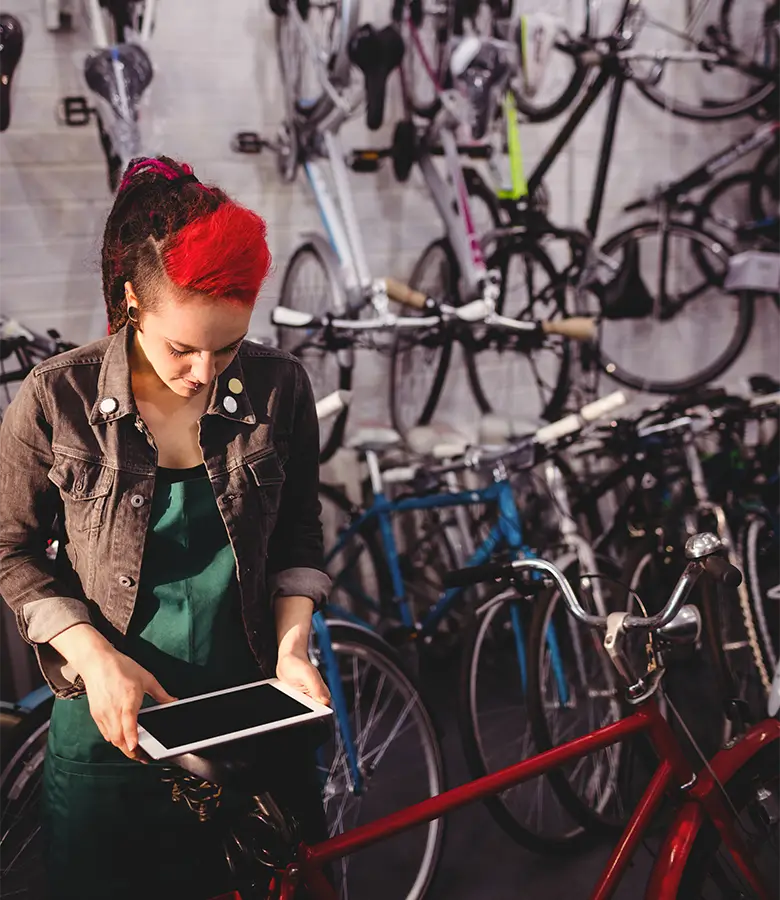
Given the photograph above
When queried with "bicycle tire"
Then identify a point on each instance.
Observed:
(360, 645)
(626, 339)
(714, 111)
(314, 109)
(757, 549)
(754, 782)
(510, 810)
(601, 681)
(434, 30)
(402, 369)
(567, 87)
(557, 365)
(366, 593)
(327, 370)
(766, 175)
(705, 219)
(20, 785)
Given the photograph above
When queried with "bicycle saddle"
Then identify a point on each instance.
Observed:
(376, 439)
(251, 764)
(11, 44)
(136, 69)
(376, 54)
(763, 384)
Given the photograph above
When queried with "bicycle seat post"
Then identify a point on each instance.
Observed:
(375, 475)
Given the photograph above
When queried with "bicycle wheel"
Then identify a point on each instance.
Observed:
(329, 26)
(509, 373)
(360, 577)
(21, 782)
(573, 690)
(544, 88)
(765, 192)
(722, 211)
(758, 551)
(419, 361)
(741, 73)
(665, 302)
(426, 28)
(495, 727)
(401, 762)
(311, 284)
(753, 793)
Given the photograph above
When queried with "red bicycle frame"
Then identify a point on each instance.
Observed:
(674, 772)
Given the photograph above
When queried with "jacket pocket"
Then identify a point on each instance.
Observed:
(84, 487)
(267, 475)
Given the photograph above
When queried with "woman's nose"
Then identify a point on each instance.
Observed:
(204, 368)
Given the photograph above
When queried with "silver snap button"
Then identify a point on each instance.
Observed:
(137, 500)
(108, 405)
(125, 581)
(230, 404)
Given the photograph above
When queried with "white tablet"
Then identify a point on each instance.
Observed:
(210, 719)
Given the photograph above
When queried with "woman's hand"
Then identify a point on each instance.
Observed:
(296, 670)
(116, 686)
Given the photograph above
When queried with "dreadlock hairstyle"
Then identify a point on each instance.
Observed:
(165, 224)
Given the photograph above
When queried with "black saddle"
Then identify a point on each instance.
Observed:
(376, 54)
(11, 44)
(625, 296)
(137, 72)
(252, 765)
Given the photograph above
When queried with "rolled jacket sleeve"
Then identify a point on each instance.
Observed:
(42, 605)
(296, 564)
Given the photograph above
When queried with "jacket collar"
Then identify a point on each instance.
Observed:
(115, 393)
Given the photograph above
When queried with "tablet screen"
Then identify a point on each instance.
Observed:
(200, 720)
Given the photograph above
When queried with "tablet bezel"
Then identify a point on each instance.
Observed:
(156, 750)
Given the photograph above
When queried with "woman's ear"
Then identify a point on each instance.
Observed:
(130, 295)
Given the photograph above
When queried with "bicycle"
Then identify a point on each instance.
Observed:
(27, 348)
(118, 72)
(11, 46)
(726, 811)
(707, 60)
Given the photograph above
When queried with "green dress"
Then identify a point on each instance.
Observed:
(112, 829)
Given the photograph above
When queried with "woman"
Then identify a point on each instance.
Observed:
(181, 464)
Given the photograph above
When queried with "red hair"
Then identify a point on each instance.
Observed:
(224, 254)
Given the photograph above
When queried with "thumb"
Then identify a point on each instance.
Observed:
(156, 691)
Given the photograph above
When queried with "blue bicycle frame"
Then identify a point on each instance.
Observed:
(506, 534)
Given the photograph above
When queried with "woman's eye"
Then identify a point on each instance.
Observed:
(174, 352)
(232, 349)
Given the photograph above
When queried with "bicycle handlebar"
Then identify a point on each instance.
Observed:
(478, 312)
(715, 567)
(332, 404)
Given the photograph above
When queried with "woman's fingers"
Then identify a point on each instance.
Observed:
(129, 720)
(156, 691)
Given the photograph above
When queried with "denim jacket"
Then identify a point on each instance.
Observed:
(73, 449)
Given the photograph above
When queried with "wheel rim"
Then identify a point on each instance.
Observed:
(417, 358)
(699, 345)
(510, 377)
(498, 709)
(21, 845)
(705, 90)
(390, 730)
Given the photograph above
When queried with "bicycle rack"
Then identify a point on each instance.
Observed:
(75, 111)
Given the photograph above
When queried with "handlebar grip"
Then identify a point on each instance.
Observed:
(578, 328)
(291, 318)
(603, 407)
(475, 575)
(722, 571)
(402, 293)
(332, 404)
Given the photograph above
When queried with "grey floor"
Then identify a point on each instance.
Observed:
(480, 861)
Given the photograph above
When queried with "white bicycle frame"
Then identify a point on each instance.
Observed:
(329, 178)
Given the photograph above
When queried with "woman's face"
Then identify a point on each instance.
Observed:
(189, 343)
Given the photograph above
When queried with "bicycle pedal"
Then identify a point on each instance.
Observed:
(248, 142)
(365, 160)
(75, 111)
